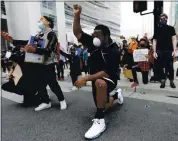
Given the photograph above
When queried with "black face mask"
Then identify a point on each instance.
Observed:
(163, 22)
(142, 45)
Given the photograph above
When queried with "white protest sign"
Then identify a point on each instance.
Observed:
(139, 55)
(8, 54)
(34, 58)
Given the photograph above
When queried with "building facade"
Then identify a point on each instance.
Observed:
(22, 17)
(173, 15)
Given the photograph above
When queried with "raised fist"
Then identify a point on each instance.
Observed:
(6, 36)
(77, 9)
(3, 33)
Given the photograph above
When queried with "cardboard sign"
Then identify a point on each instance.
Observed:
(17, 73)
(32, 57)
(139, 55)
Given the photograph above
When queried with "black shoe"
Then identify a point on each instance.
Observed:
(162, 85)
(152, 80)
(172, 85)
(131, 80)
(26, 105)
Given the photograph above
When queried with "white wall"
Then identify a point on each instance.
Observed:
(60, 12)
(17, 17)
(34, 15)
(22, 18)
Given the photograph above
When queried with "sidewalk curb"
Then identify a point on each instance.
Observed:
(148, 90)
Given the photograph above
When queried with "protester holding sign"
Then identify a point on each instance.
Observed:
(143, 64)
(43, 70)
(50, 54)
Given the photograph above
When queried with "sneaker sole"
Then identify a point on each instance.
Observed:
(42, 109)
(64, 108)
(96, 135)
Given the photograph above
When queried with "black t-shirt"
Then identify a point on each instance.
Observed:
(102, 59)
(163, 35)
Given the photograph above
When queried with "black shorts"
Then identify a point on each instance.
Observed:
(111, 85)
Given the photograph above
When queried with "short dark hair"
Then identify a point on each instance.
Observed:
(164, 15)
(105, 30)
(51, 22)
(143, 39)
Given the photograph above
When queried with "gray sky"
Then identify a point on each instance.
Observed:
(132, 23)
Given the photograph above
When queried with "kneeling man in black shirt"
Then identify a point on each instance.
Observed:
(164, 46)
(103, 64)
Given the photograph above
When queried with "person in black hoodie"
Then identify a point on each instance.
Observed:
(74, 61)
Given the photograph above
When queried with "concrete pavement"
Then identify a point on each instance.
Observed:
(152, 116)
(136, 120)
(150, 87)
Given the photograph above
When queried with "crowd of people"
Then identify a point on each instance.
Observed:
(162, 53)
(98, 56)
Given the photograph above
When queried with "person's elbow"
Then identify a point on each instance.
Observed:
(78, 34)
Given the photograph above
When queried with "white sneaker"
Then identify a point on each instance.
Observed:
(177, 78)
(43, 106)
(120, 96)
(96, 129)
(63, 105)
(74, 88)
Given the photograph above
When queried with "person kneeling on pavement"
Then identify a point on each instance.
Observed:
(143, 66)
(103, 71)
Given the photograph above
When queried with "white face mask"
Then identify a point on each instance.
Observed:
(96, 42)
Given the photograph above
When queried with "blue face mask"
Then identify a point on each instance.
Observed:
(41, 25)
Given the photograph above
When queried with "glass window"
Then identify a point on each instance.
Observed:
(3, 9)
(51, 5)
